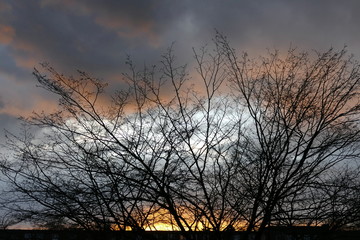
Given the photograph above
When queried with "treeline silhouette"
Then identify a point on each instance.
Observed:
(288, 233)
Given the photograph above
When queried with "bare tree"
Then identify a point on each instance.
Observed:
(304, 113)
(148, 158)
(337, 199)
(70, 174)
(242, 146)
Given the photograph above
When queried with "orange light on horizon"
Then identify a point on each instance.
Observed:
(162, 227)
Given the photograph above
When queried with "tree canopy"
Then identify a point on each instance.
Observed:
(241, 145)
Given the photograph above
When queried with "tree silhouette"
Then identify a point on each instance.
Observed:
(246, 145)
(304, 112)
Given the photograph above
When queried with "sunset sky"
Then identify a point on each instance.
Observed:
(96, 36)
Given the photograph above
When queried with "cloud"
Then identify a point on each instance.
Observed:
(7, 34)
(11, 124)
(127, 29)
(2, 104)
(25, 61)
(96, 36)
(28, 99)
(77, 7)
(70, 40)
(6, 122)
(4, 7)
(128, 19)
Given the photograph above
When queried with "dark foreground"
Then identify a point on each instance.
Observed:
(295, 233)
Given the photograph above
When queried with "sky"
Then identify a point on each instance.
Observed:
(97, 35)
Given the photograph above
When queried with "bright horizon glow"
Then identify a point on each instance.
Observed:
(162, 227)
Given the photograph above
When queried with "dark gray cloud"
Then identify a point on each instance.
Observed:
(7, 122)
(96, 36)
(256, 25)
(2, 104)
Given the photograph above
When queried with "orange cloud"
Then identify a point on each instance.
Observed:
(17, 108)
(26, 54)
(7, 34)
(23, 45)
(26, 62)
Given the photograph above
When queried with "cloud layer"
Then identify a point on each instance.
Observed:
(95, 36)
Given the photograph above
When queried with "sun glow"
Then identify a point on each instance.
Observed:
(162, 227)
